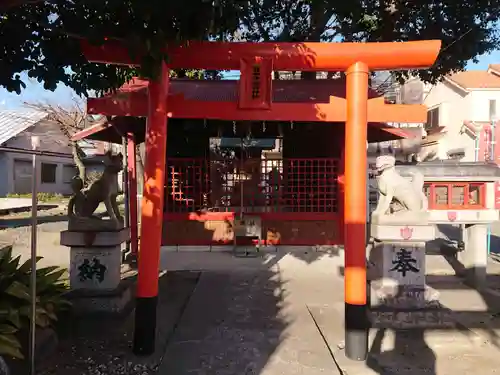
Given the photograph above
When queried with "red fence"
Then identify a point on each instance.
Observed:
(296, 199)
(456, 195)
(305, 186)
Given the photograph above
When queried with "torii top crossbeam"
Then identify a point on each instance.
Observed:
(257, 94)
(285, 56)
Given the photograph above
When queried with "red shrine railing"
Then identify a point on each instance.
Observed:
(295, 189)
(456, 195)
(448, 195)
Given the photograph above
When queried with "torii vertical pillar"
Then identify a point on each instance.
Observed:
(356, 309)
(152, 216)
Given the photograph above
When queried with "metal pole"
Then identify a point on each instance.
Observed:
(126, 194)
(35, 142)
(132, 193)
(491, 157)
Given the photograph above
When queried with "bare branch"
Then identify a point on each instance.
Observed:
(71, 119)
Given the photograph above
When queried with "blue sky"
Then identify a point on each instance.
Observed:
(63, 95)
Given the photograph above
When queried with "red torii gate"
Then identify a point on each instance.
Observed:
(256, 61)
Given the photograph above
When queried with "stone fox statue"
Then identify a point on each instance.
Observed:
(398, 194)
(86, 200)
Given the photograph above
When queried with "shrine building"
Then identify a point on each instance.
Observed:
(291, 156)
(285, 173)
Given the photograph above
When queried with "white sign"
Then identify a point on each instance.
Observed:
(35, 142)
(405, 264)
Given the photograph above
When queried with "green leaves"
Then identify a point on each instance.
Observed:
(10, 346)
(26, 267)
(467, 29)
(18, 290)
(43, 38)
(15, 299)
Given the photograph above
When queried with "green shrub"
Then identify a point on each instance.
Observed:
(15, 299)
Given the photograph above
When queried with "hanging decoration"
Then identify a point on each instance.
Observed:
(247, 141)
(249, 130)
(219, 131)
(234, 127)
(205, 123)
(263, 126)
(291, 125)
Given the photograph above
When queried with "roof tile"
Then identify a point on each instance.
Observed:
(284, 91)
(476, 79)
(495, 67)
(13, 123)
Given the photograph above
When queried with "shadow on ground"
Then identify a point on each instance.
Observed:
(232, 325)
(102, 345)
(214, 322)
(455, 334)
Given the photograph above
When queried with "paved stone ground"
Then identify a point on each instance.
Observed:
(102, 346)
(22, 204)
(226, 331)
(48, 246)
(48, 243)
(13, 203)
(255, 316)
(245, 327)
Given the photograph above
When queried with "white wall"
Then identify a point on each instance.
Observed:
(454, 104)
(59, 187)
(480, 106)
(455, 107)
(52, 139)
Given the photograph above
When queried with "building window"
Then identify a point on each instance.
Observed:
(457, 196)
(48, 173)
(432, 118)
(69, 171)
(493, 110)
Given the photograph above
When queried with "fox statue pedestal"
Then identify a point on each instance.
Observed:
(95, 266)
(400, 297)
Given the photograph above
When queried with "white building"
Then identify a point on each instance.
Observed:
(463, 106)
(56, 167)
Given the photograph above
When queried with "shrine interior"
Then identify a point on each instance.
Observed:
(287, 173)
(251, 166)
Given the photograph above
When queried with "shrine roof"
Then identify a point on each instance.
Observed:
(284, 91)
(113, 130)
(444, 170)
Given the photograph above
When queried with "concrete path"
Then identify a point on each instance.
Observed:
(283, 314)
(16, 204)
(251, 316)
(239, 323)
(12, 203)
